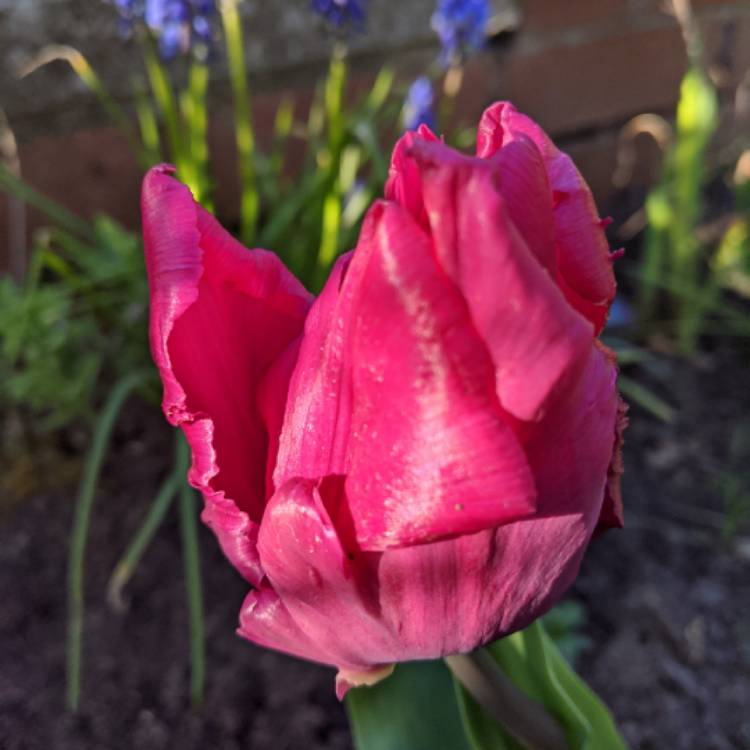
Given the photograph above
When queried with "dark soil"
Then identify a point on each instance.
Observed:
(668, 597)
(666, 601)
(136, 678)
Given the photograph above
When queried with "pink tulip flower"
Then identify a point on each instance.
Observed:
(412, 464)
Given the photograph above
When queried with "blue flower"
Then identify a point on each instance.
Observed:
(460, 26)
(418, 107)
(129, 11)
(180, 25)
(341, 12)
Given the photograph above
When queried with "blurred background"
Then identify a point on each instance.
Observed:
(281, 118)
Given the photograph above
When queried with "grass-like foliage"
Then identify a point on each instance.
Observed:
(76, 322)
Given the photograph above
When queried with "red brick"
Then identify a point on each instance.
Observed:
(554, 15)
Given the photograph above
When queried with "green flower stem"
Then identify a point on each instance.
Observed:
(195, 115)
(79, 536)
(521, 716)
(166, 101)
(193, 584)
(148, 127)
(334, 99)
(243, 128)
(332, 203)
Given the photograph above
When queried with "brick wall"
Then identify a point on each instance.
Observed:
(582, 68)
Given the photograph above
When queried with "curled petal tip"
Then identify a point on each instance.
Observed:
(164, 168)
(424, 131)
(157, 172)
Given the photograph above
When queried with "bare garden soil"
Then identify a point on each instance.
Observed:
(667, 603)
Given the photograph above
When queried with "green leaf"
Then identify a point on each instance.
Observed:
(482, 731)
(603, 734)
(79, 535)
(563, 624)
(142, 538)
(414, 709)
(193, 577)
(537, 668)
(645, 398)
(243, 120)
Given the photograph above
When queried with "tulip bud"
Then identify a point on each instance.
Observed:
(412, 464)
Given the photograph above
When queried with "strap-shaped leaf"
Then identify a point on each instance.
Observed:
(481, 730)
(535, 665)
(414, 709)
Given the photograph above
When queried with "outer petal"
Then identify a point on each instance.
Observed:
(571, 449)
(318, 583)
(266, 621)
(220, 315)
(425, 447)
(583, 252)
(454, 595)
(522, 180)
(534, 337)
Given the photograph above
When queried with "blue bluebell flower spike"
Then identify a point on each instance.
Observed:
(460, 26)
(341, 13)
(179, 24)
(419, 105)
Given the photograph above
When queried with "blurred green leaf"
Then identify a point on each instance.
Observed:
(78, 321)
(646, 398)
(731, 264)
(564, 623)
(674, 208)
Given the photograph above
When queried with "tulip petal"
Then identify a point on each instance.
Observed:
(318, 412)
(272, 393)
(404, 183)
(220, 316)
(522, 181)
(534, 336)
(236, 532)
(425, 394)
(583, 254)
(426, 450)
(612, 511)
(266, 621)
(571, 448)
(453, 595)
(316, 580)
